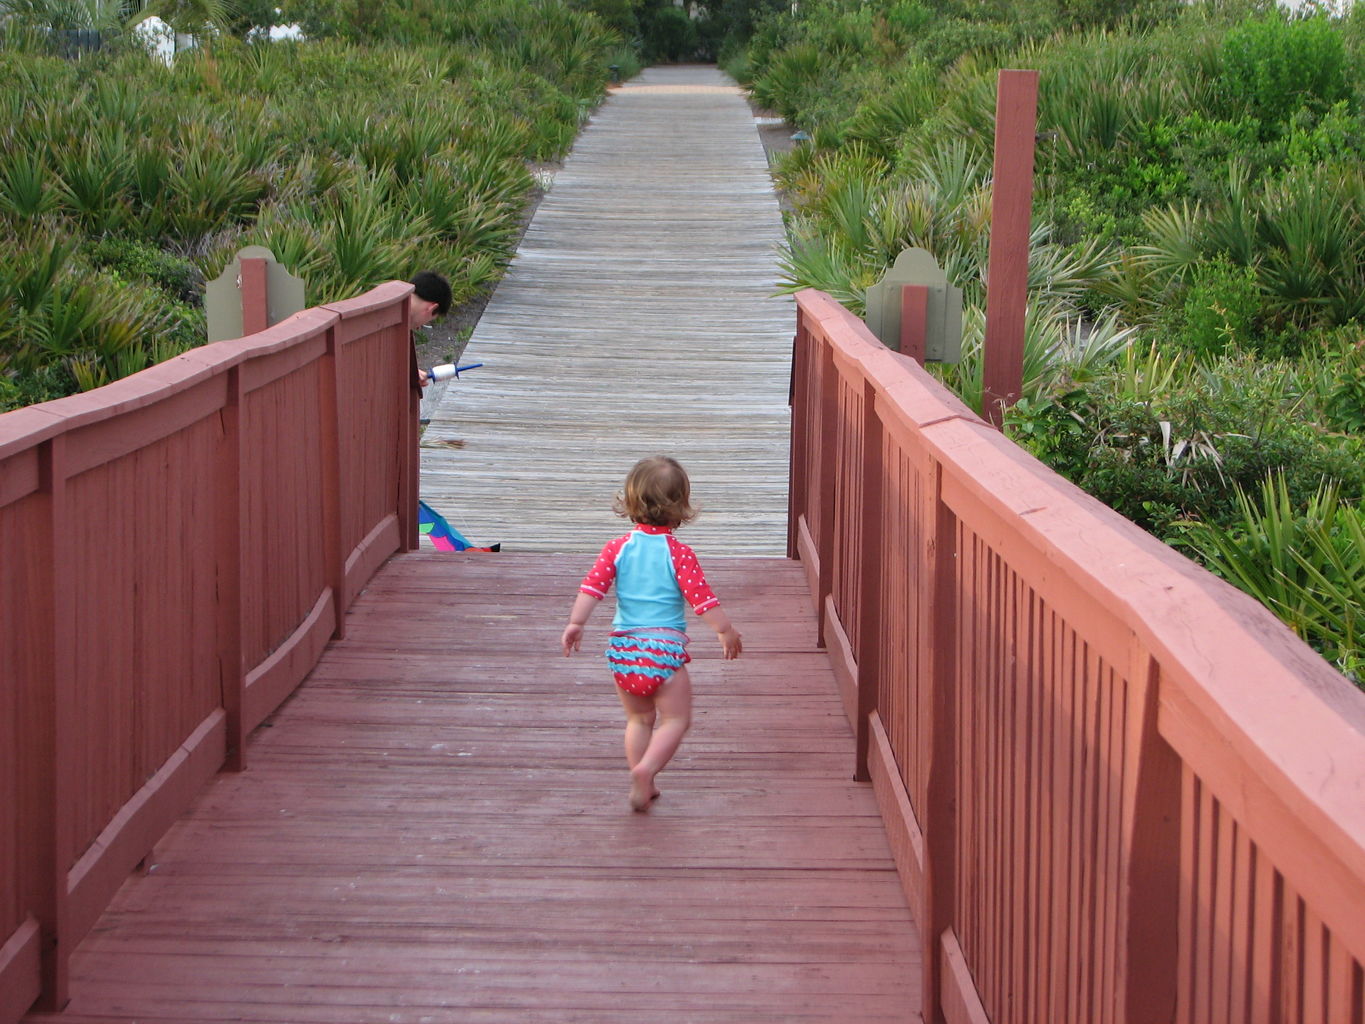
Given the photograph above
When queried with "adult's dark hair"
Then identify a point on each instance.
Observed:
(430, 286)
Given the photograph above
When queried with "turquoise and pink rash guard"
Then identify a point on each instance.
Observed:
(657, 577)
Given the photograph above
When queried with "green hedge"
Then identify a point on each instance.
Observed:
(403, 140)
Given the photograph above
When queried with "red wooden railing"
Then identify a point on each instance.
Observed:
(175, 551)
(1117, 788)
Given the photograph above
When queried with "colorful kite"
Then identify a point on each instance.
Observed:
(439, 534)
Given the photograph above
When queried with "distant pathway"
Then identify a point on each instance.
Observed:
(638, 318)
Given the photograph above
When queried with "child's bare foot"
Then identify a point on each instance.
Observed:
(642, 790)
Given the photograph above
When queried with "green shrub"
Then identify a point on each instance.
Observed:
(1274, 65)
(1342, 386)
(953, 37)
(884, 117)
(1335, 136)
(140, 261)
(670, 35)
(1220, 309)
(1164, 442)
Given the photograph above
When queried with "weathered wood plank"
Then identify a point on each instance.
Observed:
(638, 318)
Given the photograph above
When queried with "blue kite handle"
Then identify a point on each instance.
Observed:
(461, 369)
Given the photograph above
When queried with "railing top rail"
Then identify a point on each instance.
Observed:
(1245, 688)
(380, 297)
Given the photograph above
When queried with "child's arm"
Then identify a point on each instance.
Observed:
(698, 594)
(578, 618)
(593, 588)
(730, 641)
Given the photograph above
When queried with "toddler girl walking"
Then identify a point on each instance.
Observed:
(657, 577)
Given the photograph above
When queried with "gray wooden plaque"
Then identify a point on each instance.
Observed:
(223, 295)
(943, 327)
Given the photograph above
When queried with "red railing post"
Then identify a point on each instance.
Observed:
(1016, 118)
(409, 433)
(229, 562)
(938, 724)
(330, 456)
(57, 789)
(1149, 931)
(796, 398)
(827, 479)
(870, 631)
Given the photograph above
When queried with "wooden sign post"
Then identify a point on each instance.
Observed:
(1016, 118)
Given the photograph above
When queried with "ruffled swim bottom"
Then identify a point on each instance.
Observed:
(642, 660)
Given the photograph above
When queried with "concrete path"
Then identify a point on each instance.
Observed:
(638, 318)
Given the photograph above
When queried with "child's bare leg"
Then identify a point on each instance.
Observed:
(673, 701)
(639, 725)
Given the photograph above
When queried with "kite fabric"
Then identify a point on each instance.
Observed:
(437, 533)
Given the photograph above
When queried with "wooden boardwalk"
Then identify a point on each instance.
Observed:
(638, 318)
(434, 829)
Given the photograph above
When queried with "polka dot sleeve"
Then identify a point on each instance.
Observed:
(691, 580)
(600, 576)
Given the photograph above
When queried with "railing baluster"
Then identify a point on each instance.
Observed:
(56, 789)
(800, 468)
(330, 455)
(228, 559)
(938, 715)
(409, 409)
(826, 478)
(870, 631)
(1151, 859)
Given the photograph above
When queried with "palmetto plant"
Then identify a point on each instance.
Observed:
(1333, 559)
(94, 181)
(98, 15)
(340, 158)
(468, 219)
(1059, 351)
(59, 311)
(1305, 563)
(1147, 374)
(795, 70)
(1177, 245)
(365, 239)
(1311, 232)
(25, 187)
(1303, 233)
(210, 183)
(810, 260)
(401, 144)
(883, 119)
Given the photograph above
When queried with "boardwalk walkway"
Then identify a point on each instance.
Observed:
(434, 829)
(638, 317)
